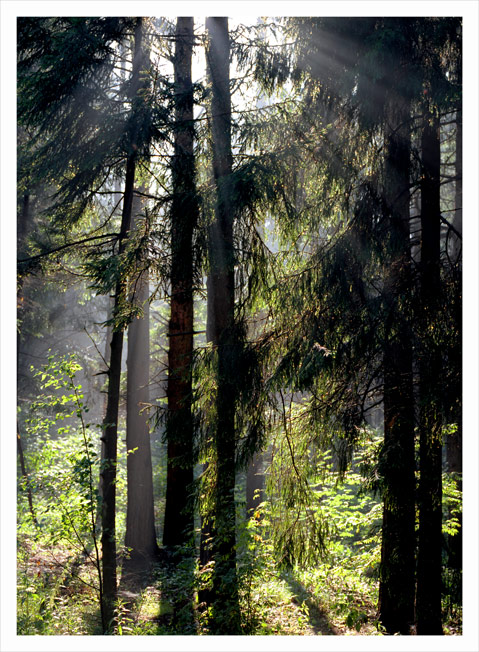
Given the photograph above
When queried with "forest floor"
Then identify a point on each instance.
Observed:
(295, 613)
(56, 595)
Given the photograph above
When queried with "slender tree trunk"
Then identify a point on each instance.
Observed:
(428, 598)
(224, 335)
(106, 360)
(110, 424)
(254, 483)
(457, 248)
(26, 476)
(396, 588)
(23, 227)
(454, 441)
(140, 535)
(207, 527)
(179, 524)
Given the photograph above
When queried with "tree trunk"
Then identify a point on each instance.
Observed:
(454, 441)
(110, 424)
(23, 228)
(26, 477)
(428, 598)
(207, 528)
(457, 243)
(140, 534)
(224, 336)
(179, 524)
(254, 484)
(396, 588)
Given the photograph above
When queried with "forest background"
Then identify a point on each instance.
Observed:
(470, 275)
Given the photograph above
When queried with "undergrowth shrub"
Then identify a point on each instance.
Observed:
(62, 459)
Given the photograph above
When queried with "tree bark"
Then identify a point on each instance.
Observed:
(140, 535)
(457, 243)
(110, 424)
(207, 527)
(179, 524)
(254, 484)
(23, 228)
(223, 332)
(396, 588)
(26, 477)
(428, 598)
(454, 441)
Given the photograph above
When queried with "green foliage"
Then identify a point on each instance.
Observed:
(355, 517)
(62, 459)
(342, 579)
(451, 503)
(55, 591)
(256, 567)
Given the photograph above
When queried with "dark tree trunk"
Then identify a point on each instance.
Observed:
(23, 228)
(454, 441)
(428, 598)
(179, 524)
(223, 333)
(396, 588)
(207, 530)
(110, 424)
(140, 534)
(26, 476)
(457, 248)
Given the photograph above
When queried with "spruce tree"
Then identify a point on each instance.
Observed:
(140, 536)
(396, 592)
(437, 343)
(428, 601)
(224, 336)
(178, 527)
(110, 424)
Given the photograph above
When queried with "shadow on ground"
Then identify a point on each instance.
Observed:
(318, 618)
(161, 594)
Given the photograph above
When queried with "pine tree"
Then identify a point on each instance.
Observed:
(396, 592)
(140, 537)
(454, 451)
(428, 601)
(221, 299)
(110, 424)
(24, 226)
(178, 527)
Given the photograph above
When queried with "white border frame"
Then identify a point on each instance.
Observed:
(10, 9)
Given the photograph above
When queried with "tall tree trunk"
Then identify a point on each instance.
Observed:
(224, 332)
(454, 441)
(110, 424)
(428, 598)
(179, 524)
(207, 527)
(457, 248)
(23, 228)
(140, 534)
(254, 483)
(396, 588)
(26, 476)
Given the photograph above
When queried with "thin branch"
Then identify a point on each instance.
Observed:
(97, 350)
(451, 228)
(67, 246)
